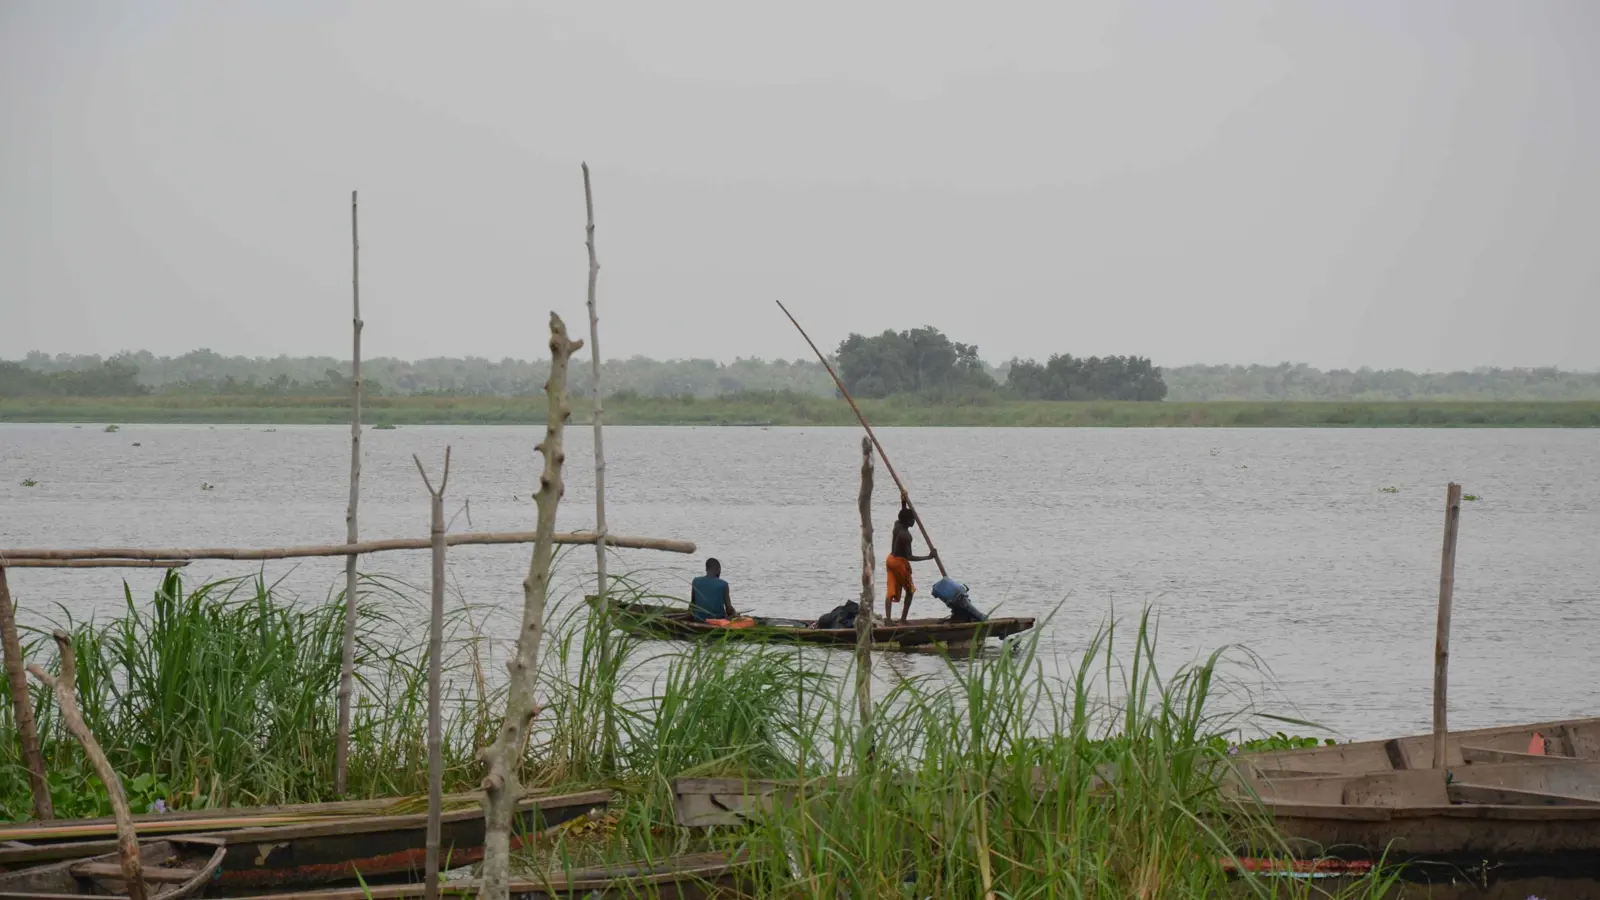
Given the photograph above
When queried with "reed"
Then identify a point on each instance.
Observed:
(223, 694)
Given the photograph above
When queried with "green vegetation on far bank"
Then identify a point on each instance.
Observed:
(793, 408)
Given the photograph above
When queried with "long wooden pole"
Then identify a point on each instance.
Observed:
(603, 584)
(347, 664)
(22, 703)
(96, 564)
(64, 685)
(364, 547)
(864, 615)
(435, 674)
(1441, 641)
(863, 420)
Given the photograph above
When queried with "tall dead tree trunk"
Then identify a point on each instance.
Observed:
(347, 665)
(65, 687)
(436, 530)
(22, 703)
(501, 786)
(864, 616)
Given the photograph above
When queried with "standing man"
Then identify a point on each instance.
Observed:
(898, 563)
(709, 597)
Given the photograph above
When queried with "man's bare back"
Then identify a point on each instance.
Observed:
(900, 544)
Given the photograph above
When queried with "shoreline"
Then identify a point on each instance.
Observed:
(801, 410)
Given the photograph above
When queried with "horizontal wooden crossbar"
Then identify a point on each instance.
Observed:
(9, 557)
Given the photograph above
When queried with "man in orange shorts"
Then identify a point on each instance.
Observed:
(898, 564)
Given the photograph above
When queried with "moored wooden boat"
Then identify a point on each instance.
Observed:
(325, 849)
(174, 869)
(647, 620)
(1576, 738)
(1505, 821)
(698, 876)
(1507, 824)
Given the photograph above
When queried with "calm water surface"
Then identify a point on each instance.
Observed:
(1278, 540)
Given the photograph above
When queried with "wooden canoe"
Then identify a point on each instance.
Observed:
(1541, 814)
(1577, 738)
(173, 869)
(1497, 822)
(333, 849)
(669, 623)
(1485, 850)
(700, 876)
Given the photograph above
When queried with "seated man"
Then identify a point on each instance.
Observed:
(709, 597)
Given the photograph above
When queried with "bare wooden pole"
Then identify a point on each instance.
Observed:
(504, 756)
(603, 585)
(65, 687)
(882, 455)
(347, 664)
(435, 670)
(22, 703)
(96, 564)
(1441, 641)
(864, 616)
(7, 557)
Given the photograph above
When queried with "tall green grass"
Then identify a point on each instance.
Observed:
(1099, 780)
(224, 695)
(1050, 783)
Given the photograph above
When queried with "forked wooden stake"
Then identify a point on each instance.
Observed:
(608, 726)
(347, 663)
(435, 671)
(22, 703)
(1441, 642)
(504, 756)
(65, 687)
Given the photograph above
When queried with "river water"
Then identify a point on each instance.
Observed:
(1282, 541)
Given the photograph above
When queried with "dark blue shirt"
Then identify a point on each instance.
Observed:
(708, 598)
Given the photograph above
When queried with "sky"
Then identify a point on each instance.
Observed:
(1336, 182)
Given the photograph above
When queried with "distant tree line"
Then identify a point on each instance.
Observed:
(1066, 377)
(1297, 381)
(920, 362)
(923, 361)
(110, 378)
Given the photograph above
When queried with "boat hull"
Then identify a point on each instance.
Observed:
(926, 635)
(702, 876)
(340, 848)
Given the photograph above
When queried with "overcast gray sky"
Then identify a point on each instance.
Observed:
(1341, 183)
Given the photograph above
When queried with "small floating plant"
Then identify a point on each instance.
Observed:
(112, 429)
(30, 482)
(1391, 489)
